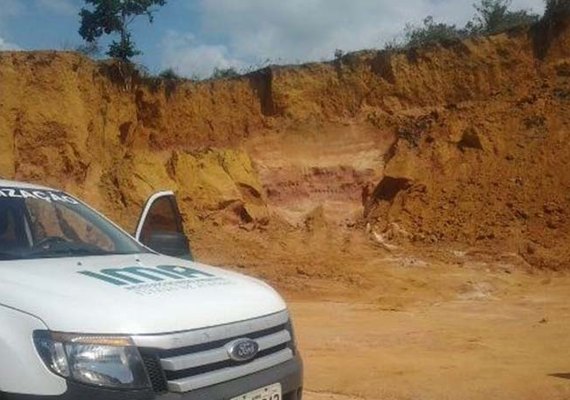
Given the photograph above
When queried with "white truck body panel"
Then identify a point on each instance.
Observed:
(21, 368)
(69, 301)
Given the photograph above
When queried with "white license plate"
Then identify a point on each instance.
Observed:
(272, 392)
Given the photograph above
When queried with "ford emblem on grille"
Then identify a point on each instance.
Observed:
(242, 349)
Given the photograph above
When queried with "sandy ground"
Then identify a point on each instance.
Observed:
(441, 323)
(500, 335)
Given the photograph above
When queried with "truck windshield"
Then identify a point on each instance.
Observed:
(51, 224)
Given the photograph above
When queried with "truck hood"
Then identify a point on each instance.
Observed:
(128, 294)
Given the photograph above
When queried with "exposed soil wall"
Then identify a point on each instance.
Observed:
(466, 143)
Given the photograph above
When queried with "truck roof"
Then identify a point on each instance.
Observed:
(22, 185)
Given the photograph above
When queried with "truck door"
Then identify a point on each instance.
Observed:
(160, 226)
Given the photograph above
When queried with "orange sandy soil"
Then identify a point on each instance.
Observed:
(497, 335)
(442, 322)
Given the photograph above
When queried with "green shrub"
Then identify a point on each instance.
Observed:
(495, 16)
(431, 32)
(556, 8)
(224, 73)
(492, 16)
(170, 75)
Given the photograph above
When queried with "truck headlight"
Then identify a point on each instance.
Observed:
(112, 362)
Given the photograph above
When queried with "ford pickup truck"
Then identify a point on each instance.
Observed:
(88, 311)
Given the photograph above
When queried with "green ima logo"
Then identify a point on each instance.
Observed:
(139, 275)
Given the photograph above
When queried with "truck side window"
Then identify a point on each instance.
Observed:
(162, 217)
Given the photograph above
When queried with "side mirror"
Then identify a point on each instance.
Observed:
(173, 244)
(160, 227)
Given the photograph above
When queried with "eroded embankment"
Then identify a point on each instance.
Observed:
(466, 143)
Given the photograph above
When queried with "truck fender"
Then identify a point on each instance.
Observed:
(22, 370)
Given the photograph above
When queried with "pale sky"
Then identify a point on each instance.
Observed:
(195, 36)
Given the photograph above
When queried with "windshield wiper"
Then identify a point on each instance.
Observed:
(67, 248)
(73, 252)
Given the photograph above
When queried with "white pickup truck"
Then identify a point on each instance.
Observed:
(89, 312)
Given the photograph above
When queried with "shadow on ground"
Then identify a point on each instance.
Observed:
(561, 375)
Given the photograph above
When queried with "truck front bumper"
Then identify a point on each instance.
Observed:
(288, 374)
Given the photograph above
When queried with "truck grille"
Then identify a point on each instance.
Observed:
(186, 361)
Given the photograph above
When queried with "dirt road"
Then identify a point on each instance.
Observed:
(508, 337)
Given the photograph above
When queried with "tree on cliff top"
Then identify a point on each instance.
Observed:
(491, 17)
(556, 7)
(494, 16)
(107, 17)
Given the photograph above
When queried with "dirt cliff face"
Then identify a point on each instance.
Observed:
(463, 145)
